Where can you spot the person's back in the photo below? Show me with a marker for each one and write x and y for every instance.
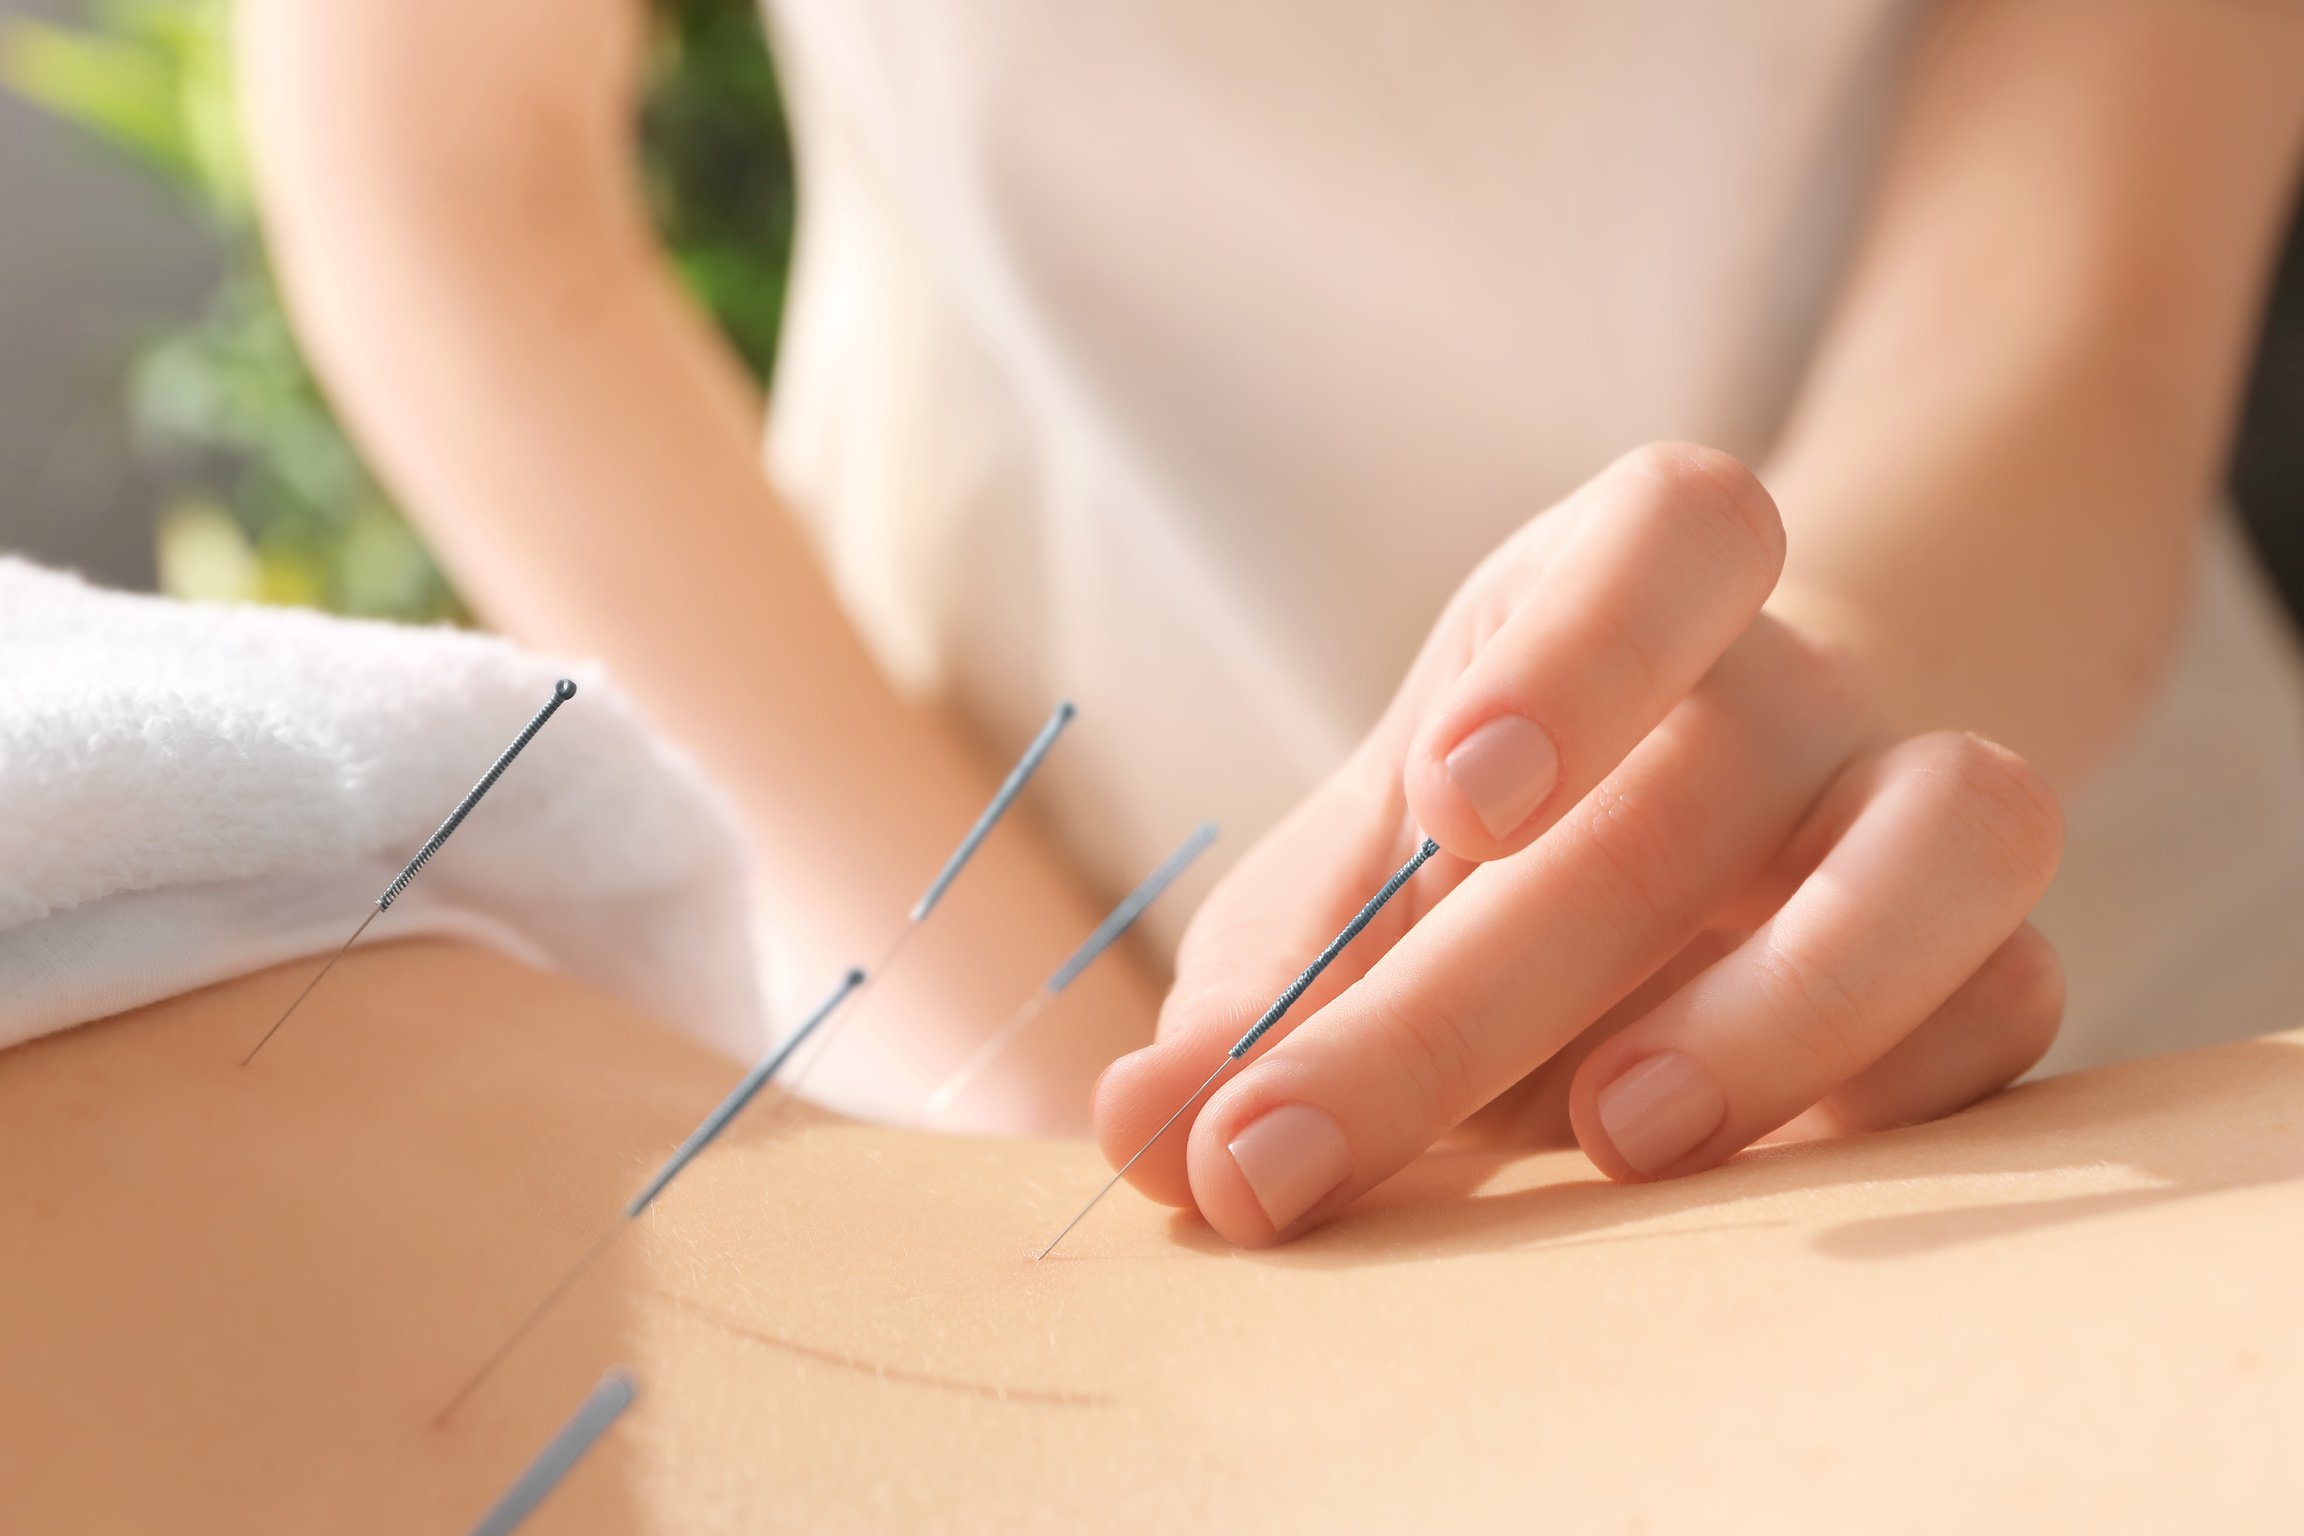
(238, 1299)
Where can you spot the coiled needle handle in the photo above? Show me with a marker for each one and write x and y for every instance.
(1272, 1016)
(562, 692)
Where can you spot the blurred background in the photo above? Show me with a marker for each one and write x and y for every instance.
(158, 428)
(157, 425)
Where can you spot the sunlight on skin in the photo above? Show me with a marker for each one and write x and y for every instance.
(265, 1283)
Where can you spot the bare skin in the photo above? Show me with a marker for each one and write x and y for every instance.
(1983, 513)
(1741, 690)
(236, 1299)
(482, 293)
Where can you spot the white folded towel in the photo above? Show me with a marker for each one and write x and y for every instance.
(189, 793)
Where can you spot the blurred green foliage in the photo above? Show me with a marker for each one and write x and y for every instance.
(269, 499)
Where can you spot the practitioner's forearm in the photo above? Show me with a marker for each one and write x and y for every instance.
(2006, 578)
(493, 323)
(454, 216)
(1993, 483)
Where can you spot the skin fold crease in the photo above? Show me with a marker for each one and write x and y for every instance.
(267, 1280)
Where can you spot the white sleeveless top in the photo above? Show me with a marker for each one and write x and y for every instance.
(1182, 358)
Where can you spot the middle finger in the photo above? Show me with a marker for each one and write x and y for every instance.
(1523, 955)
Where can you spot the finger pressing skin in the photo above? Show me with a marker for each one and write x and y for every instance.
(1953, 844)
(1287, 898)
(1989, 1033)
(1266, 919)
(1510, 967)
(1675, 549)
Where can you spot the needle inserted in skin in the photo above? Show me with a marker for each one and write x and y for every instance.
(1002, 798)
(592, 1419)
(700, 1138)
(714, 1123)
(739, 1096)
(1256, 1031)
(1107, 933)
(317, 977)
(562, 692)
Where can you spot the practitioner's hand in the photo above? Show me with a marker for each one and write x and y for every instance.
(1691, 891)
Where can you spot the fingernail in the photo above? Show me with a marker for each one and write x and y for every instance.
(1505, 769)
(1291, 1157)
(1661, 1110)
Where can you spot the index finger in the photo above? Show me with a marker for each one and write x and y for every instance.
(1673, 551)
(1668, 567)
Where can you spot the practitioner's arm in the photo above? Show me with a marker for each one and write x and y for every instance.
(1993, 483)
(450, 198)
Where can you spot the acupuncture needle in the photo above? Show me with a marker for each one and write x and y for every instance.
(1005, 796)
(1256, 1031)
(700, 1138)
(601, 1408)
(562, 692)
(1009, 789)
(1116, 923)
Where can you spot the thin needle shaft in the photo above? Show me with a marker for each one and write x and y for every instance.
(808, 1064)
(949, 1091)
(1003, 797)
(562, 692)
(566, 1283)
(854, 982)
(700, 1138)
(1205, 1084)
(1106, 934)
(1272, 1016)
(739, 1096)
(318, 977)
(599, 1411)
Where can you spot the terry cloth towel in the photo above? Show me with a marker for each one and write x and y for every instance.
(189, 793)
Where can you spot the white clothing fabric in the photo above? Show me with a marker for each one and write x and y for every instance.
(1181, 358)
(189, 793)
